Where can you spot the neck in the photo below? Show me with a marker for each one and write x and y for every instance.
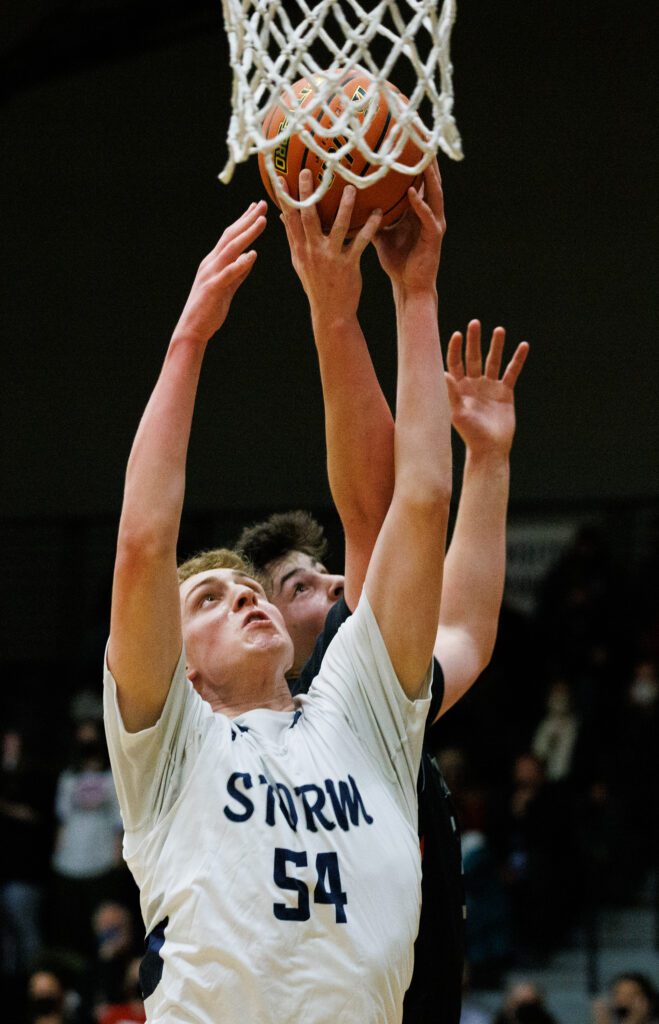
(232, 701)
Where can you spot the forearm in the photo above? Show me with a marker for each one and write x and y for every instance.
(423, 418)
(405, 576)
(359, 427)
(475, 566)
(359, 431)
(155, 477)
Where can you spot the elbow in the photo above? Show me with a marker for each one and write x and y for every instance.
(430, 495)
(137, 548)
(483, 647)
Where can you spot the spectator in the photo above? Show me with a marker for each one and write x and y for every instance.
(524, 1004)
(636, 767)
(472, 1011)
(468, 798)
(114, 932)
(488, 945)
(632, 1000)
(555, 739)
(88, 845)
(536, 833)
(46, 999)
(581, 605)
(25, 796)
(132, 1007)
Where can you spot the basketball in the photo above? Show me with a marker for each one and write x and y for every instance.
(389, 193)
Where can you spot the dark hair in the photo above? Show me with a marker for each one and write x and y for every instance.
(267, 542)
(643, 982)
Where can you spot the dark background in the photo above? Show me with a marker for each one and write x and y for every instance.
(113, 121)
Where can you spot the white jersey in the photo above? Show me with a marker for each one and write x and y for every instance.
(277, 853)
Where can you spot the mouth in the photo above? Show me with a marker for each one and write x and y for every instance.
(256, 617)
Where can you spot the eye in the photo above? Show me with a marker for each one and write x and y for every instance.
(299, 588)
(207, 598)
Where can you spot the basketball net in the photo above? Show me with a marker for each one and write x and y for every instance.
(273, 43)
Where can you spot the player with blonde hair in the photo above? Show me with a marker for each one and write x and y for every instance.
(274, 840)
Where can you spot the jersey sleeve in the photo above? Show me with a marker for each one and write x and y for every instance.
(150, 766)
(358, 680)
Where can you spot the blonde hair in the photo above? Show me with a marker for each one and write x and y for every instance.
(216, 558)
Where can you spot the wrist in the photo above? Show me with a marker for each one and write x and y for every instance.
(406, 292)
(338, 321)
(186, 351)
(491, 459)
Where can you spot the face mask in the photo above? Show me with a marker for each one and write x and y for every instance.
(109, 934)
(89, 748)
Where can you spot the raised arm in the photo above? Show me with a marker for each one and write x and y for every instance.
(145, 629)
(404, 579)
(359, 426)
(483, 413)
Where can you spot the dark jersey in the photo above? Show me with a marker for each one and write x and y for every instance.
(435, 991)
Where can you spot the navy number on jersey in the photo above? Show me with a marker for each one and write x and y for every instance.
(284, 881)
(327, 889)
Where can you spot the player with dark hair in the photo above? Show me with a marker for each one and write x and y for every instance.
(288, 551)
(274, 839)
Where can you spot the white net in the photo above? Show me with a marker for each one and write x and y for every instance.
(274, 43)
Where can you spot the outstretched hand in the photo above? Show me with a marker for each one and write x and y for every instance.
(327, 265)
(482, 405)
(219, 276)
(409, 251)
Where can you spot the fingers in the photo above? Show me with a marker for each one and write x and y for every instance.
(473, 357)
(251, 214)
(290, 218)
(366, 233)
(420, 207)
(308, 214)
(515, 365)
(341, 224)
(232, 249)
(232, 276)
(493, 361)
(454, 356)
(433, 194)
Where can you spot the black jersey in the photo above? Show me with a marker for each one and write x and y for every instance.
(435, 992)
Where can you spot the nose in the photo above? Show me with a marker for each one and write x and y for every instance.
(335, 585)
(243, 596)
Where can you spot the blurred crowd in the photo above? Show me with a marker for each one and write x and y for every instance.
(552, 761)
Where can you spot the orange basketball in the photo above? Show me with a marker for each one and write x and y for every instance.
(388, 194)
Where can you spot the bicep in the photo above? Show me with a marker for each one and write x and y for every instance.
(145, 636)
(403, 586)
(459, 658)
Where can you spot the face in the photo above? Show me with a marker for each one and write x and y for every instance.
(524, 994)
(629, 1003)
(45, 992)
(304, 592)
(528, 771)
(233, 635)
